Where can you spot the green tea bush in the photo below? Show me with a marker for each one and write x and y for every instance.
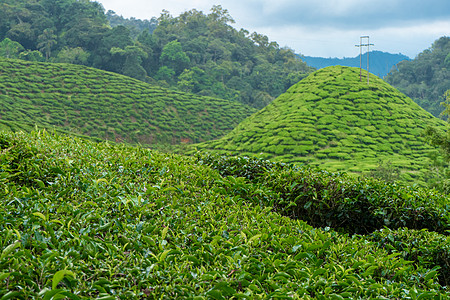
(238, 166)
(423, 247)
(354, 205)
(21, 163)
(129, 223)
(85, 87)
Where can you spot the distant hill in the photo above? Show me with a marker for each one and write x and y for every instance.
(380, 63)
(332, 120)
(109, 106)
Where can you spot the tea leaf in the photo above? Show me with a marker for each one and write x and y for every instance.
(58, 276)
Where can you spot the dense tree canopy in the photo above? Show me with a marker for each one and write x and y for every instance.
(135, 26)
(195, 52)
(426, 78)
(439, 174)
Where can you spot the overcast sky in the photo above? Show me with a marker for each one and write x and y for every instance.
(327, 28)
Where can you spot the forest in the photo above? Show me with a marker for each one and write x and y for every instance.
(194, 52)
(426, 78)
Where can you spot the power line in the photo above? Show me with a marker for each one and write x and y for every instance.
(360, 55)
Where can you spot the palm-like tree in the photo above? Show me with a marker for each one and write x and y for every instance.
(46, 41)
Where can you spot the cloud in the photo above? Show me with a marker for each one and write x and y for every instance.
(347, 14)
(320, 27)
(338, 42)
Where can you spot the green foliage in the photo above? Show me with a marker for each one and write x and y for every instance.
(386, 172)
(426, 78)
(10, 49)
(136, 26)
(72, 56)
(31, 55)
(46, 41)
(105, 105)
(423, 247)
(354, 205)
(132, 65)
(439, 171)
(333, 120)
(172, 56)
(114, 221)
(239, 166)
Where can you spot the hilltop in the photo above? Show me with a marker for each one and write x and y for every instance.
(106, 105)
(331, 119)
(380, 62)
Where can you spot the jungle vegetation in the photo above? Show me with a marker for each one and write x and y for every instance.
(426, 78)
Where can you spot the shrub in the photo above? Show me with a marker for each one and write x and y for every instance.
(428, 249)
(354, 205)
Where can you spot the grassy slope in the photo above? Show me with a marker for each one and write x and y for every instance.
(333, 120)
(108, 106)
(87, 220)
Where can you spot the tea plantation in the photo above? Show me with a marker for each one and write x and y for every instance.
(85, 220)
(333, 120)
(104, 105)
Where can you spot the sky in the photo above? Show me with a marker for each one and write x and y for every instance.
(323, 28)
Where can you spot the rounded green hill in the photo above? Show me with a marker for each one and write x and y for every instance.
(333, 120)
(106, 105)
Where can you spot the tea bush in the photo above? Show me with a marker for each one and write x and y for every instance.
(354, 205)
(117, 222)
(423, 247)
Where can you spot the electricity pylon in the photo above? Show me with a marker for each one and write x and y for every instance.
(360, 55)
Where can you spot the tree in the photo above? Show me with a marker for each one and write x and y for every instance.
(31, 55)
(426, 78)
(165, 74)
(133, 60)
(46, 41)
(72, 56)
(23, 34)
(87, 34)
(439, 173)
(221, 15)
(102, 58)
(174, 57)
(148, 44)
(194, 80)
(10, 49)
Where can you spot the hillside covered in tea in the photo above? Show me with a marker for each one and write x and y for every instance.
(84, 220)
(108, 106)
(333, 120)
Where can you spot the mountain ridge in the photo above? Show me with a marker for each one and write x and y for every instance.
(380, 63)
